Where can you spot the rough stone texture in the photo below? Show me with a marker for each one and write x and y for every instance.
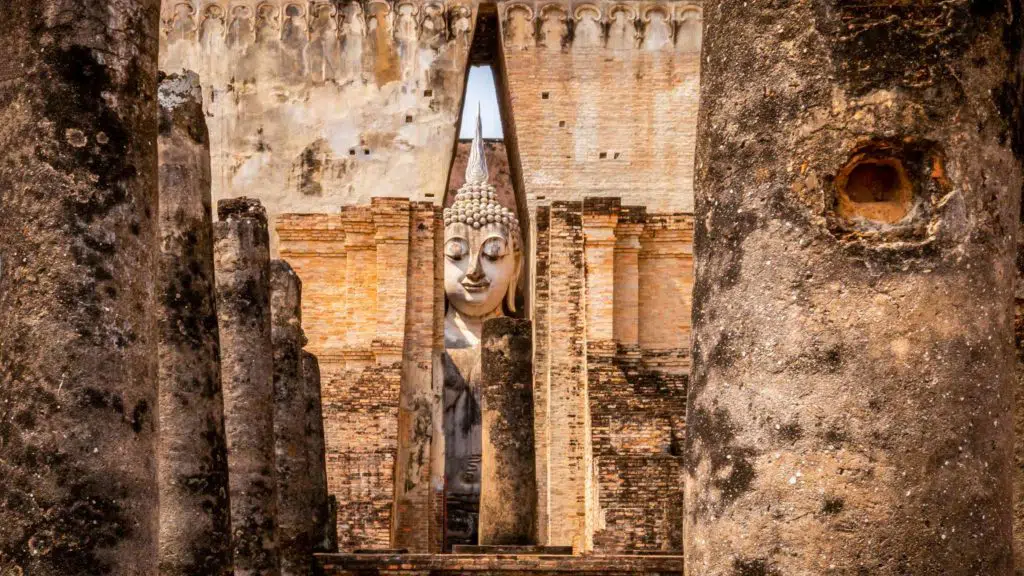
(195, 516)
(580, 76)
(850, 409)
(291, 440)
(1018, 414)
(508, 485)
(317, 456)
(78, 255)
(314, 105)
(242, 263)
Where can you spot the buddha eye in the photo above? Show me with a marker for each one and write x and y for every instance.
(494, 248)
(455, 249)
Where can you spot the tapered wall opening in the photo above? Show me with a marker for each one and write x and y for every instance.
(485, 92)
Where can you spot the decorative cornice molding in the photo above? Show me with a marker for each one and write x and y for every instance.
(617, 25)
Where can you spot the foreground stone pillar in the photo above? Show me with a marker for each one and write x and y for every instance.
(242, 252)
(508, 485)
(1018, 414)
(195, 527)
(316, 454)
(850, 408)
(78, 258)
(291, 444)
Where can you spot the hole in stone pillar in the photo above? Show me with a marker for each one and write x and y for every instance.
(408, 119)
(428, 93)
(603, 155)
(366, 151)
(544, 95)
(874, 188)
(616, 157)
(351, 151)
(561, 124)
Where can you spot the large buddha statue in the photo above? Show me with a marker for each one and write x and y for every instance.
(483, 260)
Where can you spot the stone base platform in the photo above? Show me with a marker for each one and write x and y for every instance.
(486, 564)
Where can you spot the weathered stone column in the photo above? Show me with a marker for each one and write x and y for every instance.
(291, 439)
(78, 260)
(1018, 414)
(195, 527)
(850, 407)
(242, 252)
(316, 454)
(508, 483)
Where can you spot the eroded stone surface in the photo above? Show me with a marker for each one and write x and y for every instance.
(291, 439)
(850, 408)
(242, 259)
(317, 455)
(195, 518)
(508, 484)
(78, 245)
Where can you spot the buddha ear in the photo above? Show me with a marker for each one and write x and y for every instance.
(513, 285)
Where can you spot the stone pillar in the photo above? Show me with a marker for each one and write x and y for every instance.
(291, 442)
(195, 526)
(850, 408)
(1018, 414)
(508, 486)
(78, 261)
(316, 454)
(242, 255)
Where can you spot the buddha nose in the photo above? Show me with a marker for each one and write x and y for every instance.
(476, 272)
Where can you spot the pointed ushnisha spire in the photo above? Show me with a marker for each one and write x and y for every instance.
(476, 203)
(476, 168)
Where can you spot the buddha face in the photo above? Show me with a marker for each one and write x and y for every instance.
(480, 268)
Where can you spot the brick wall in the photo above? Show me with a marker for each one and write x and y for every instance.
(578, 98)
(610, 398)
(370, 300)
(313, 105)
(611, 363)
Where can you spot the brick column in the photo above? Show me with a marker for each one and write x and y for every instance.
(666, 280)
(360, 286)
(391, 238)
(626, 326)
(567, 405)
(78, 265)
(291, 437)
(600, 218)
(508, 486)
(417, 403)
(195, 524)
(542, 366)
(242, 263)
